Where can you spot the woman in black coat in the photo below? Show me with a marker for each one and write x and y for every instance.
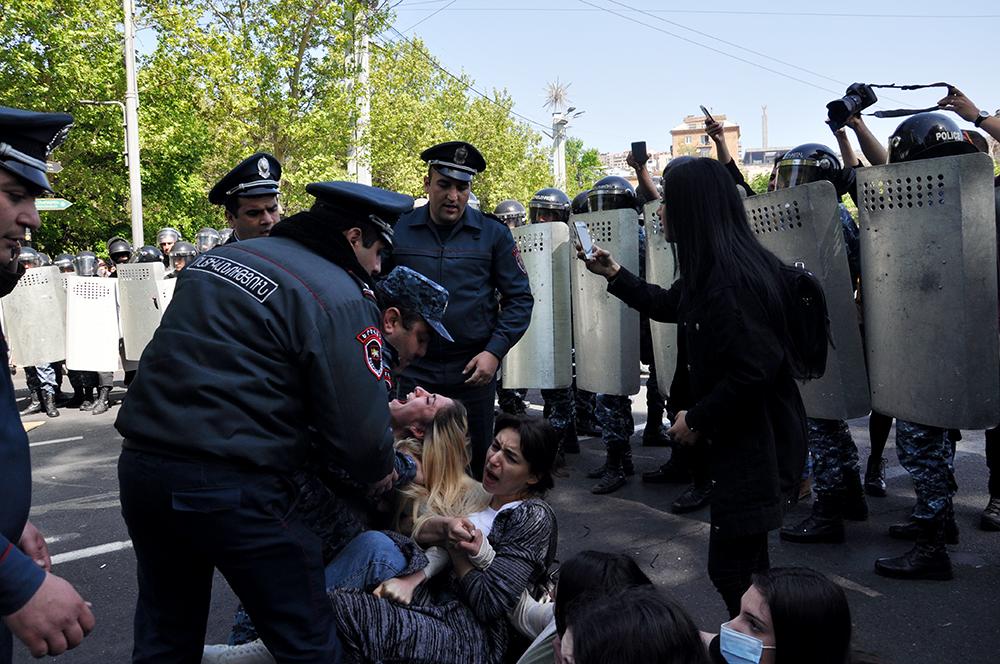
(733, 350)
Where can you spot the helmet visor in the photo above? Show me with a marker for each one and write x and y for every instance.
(541, 215)
(86, 266)
(609, 200)
(793, 172)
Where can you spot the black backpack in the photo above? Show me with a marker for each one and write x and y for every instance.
(808, 322)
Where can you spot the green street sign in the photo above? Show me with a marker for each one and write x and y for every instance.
(51, 204)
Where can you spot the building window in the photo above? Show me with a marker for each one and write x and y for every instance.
(687, 140)
(704, 140)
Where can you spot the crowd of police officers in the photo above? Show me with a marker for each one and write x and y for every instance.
(475, 257)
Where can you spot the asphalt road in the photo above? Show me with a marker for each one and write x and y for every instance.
(75, 504)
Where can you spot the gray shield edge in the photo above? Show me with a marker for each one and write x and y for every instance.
(138, 284)
(929, 284)
(165, 293)
(36, 318)
(801, 225)
(543, 358)
(660, 271)
(605, 330)
(91, 324)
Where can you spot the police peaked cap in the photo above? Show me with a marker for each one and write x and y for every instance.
(257, 175)
(457, 160)
(26, 140)
(346, 204)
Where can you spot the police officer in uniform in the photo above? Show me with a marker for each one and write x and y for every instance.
(181, 256)
(207, 239)
(474, 258)
(41, 379)
(120, 251)
(513, 214)
(249, 193)
(41, 609)
(286, 361)
(166, 238)
(586, 402)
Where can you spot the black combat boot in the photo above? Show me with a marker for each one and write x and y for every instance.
(74, 401)
(855, 505)
(990, 518)
(625, 461)
(910, 529)
(693, 499)
(34, 406)
(612, 475)
(672, 472)
(875, 477)
(653, 434)
(88, 399)
(103, 401)
(928, 559)
(49, 401)
(824, 525)
(570, 444)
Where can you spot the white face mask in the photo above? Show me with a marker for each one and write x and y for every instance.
(740, 648)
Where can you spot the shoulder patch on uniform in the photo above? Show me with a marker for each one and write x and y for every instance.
(371, 342)
(253, 283)
(517, 259)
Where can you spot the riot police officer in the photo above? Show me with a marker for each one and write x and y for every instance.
(120, 250)
(474, 258)
(511, 213)
(148, 254)
(181, 256)
(40, 379)
(249, 193)
(195, 503)
(102, 381)
(206, 239)
(166, 238)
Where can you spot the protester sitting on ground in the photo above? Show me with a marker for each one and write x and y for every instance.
(634, 626)
(788, 615)
(497, 555)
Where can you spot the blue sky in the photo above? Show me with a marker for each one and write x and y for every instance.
(635, 81)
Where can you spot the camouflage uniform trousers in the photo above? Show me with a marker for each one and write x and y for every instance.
(614, 414)
(560, 409)
(834, 454)
(511, 401)
(925, 452)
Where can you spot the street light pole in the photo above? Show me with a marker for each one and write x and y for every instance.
(559, 122)
(132, 126)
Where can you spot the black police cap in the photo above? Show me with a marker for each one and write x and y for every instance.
(26, 140)
(347, 203)
(257, 175)
(457, 160)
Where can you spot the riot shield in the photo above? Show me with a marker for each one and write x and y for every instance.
(660, 271)
(36, 322)
(605, 329)
(165, 293)
(929, 286)
(543, 358)
(801, 226)
(140, 309)
(91, 324)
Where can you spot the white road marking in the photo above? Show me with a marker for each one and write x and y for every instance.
(91, 551)
(61, 538)
(856, 587)
(54, 441)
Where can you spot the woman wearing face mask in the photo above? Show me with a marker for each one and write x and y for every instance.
(789, 615)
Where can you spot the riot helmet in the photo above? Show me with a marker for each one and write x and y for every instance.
(510, 212)
(44, 260)
(86, 264)
(65, 263)
(810, 162)
(225, 234)
(207, 239)
(119, 250)
(148, 254)
(926, 136)
(612, 193)
(549, 204)
(579, 204)
(29, 258)
(182, 255)
(473, 201)
(166, 238)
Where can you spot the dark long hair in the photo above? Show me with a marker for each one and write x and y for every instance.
(810, 615)
(635, 625)
(709, 225)
(539, 445)
(594, 573)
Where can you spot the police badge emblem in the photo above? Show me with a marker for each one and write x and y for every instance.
(264, 168)
(461, 154)
(371, 341)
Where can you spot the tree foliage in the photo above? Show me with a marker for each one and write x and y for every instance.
(583, 166)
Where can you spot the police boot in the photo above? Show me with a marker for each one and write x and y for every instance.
(693, 499)
(74, 401)
(910, 530)
(875, 477)
(103, 401)
(612, 476)
(990, 518)
(653, 434)
(928, 559)
(855, 505)
(34, 406)
(49, 401)
(88, 399)
(824, 525)
(627, 466)
(570, 444)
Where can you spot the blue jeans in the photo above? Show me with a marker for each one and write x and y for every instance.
(366, 561)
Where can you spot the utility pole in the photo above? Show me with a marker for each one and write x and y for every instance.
(132, 126)
(559, 122)
(359, 153)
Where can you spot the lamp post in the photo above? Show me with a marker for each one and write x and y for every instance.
(560, 120)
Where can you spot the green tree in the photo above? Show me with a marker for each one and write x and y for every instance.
(583, 166)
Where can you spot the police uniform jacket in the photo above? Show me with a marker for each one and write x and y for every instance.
(20, 577)
(266, 348)
(740, 396)
(476, 259)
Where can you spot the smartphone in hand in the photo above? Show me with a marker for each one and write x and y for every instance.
(639, 152)
(708, 116)
(583, 235)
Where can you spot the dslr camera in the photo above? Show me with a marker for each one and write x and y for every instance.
(858, 97)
